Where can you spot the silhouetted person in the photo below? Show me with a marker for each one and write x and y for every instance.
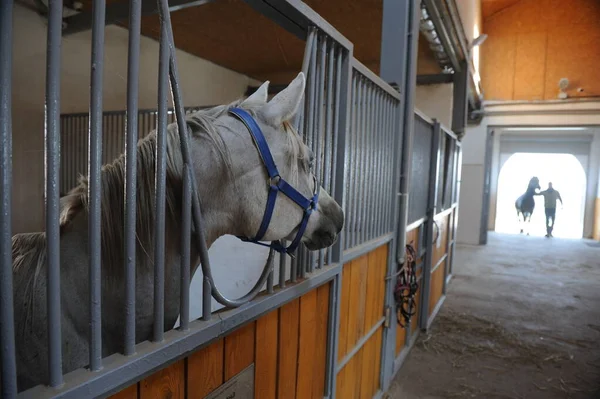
(550, 197)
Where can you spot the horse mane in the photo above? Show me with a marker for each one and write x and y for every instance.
(200, 124)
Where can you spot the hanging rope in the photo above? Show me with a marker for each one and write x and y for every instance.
(406, 288)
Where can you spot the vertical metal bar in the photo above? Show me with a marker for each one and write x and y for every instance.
(131, 119)
(355, 183)
(341, 147)
(336, 132)
(370, 187)
(329, 133)
(270, 282)
(186, 235)
(363, 168)
(295, 262)
(321, 131)
(52, 138)
(282, 272)
(7, 327)
(377, 150)
(310, 43)
(335, 295)
(352, 162)
(383, 161)
(206, 299)
(390, 149)
(160, 178)
(95, 184)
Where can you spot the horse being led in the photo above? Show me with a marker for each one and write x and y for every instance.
(232, 191)
(526, 203)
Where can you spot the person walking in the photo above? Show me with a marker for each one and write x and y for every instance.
(550, 197)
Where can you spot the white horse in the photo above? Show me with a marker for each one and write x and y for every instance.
(232, 189)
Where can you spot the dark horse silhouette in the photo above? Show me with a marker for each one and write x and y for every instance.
(525, 203)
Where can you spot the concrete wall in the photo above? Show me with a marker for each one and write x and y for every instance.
(203, 83)
(499, 115)
(435, 101)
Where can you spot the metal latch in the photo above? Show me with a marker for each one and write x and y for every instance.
(388, 315)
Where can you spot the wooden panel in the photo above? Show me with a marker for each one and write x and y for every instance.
(239, 350)
(531, 58)
(439, 246)
(265, 378)
(130, 392)
(205, 370)
(320, 350)
(378, 337)
(167, 383)
(574, 53)
(307, 342)
(354, 299)
(414, 320)
(288, 349)
(437, 285)
(534, 43)
(498, 66)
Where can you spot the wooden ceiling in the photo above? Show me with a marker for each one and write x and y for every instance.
(231, 34)
(491, 7)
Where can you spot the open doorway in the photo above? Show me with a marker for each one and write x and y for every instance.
(567, 176)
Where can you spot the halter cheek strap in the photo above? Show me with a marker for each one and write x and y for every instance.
(276, 184)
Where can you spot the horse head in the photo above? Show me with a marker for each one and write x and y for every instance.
(278, 199)
(534, 183)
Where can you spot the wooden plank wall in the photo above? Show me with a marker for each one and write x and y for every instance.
(532, 44)
(287, 346)
(362, 307)
(412, 237)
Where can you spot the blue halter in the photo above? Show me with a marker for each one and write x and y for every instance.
(276, 184)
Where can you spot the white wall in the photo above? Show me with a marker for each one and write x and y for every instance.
(203, 83)
(435, 101)
(499, 115)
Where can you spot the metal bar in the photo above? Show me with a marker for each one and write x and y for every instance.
(52, 138)
(332, 335)
(356, 182)
(345, 84)
(206, 299)
(372, 132)
(329, 132)
(321, 131)
(282, 272)
(460, 99)
(186, 236)
(310, 43)
(352, 162)
(363, 166)
(120, 371)
(161, 184)
(381, 162)
(131, 118)
(95, 184)
(335, 132)
(7, 327)
(270, 283)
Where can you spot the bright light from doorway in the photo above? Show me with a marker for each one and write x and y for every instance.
(567, 176)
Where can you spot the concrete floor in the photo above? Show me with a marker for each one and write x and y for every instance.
(521, 320)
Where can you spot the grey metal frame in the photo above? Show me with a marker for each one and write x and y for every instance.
(359, 126)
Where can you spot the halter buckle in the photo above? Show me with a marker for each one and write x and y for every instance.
(275, 179)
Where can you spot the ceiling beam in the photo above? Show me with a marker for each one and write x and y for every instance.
(435, 79)
(120, 12)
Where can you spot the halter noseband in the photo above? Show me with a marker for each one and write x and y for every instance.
(276, 184)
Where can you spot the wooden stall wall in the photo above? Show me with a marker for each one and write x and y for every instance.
(287, 347)
(532, 44)
(362, 311)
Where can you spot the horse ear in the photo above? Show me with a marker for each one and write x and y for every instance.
(285, 104)
(259, 97)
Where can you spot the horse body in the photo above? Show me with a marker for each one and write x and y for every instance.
(232, 192)
(525, 204)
